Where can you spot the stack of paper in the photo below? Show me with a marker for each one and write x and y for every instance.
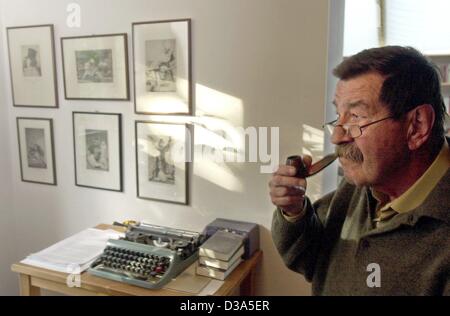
(74, 254)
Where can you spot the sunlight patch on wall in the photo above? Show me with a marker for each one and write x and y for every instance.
(213, 103)
(218, 136)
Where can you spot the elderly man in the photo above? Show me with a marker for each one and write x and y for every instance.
(386, 229)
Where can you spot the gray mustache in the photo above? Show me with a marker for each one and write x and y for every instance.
(350, 152)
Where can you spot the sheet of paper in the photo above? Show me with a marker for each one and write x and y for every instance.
(78, 250)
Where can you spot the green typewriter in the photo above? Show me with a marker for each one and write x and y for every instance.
(149, 256)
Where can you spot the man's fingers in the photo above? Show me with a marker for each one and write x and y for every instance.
(287, 191)
(284, 170)
(288, 200)
(278, 180)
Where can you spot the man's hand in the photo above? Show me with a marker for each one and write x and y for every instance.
(287, 191)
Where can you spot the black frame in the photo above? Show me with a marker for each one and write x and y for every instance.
(127, 73)
(189, 57)
(119, 116)
(52, 143)
(187, 169)
(55, 80)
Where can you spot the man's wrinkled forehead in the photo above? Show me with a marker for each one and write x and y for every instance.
(362, 91)
(357, 104)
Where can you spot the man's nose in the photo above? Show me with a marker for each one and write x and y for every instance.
(340, 135)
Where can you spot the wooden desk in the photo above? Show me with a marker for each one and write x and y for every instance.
(32, 279)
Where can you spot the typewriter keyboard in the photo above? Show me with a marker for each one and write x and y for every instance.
(139, 264)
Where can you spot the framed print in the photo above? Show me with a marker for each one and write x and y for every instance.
(162, 67)
(98, 150)
(95, 67)
(36, 150)
(32, 66)
(162, 161)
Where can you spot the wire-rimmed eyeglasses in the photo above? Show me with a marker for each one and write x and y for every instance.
(353, 130)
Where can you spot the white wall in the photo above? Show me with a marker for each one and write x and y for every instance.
(8, 281)
(255, 63)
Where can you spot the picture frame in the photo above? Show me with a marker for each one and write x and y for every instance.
(32, 66)
(36, 150)
(95, 67)
(162, 161)
(97, 139)
(162, 67)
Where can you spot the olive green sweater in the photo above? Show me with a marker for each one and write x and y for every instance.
(335, 242)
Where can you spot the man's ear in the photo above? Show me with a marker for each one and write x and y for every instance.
(421, 121)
